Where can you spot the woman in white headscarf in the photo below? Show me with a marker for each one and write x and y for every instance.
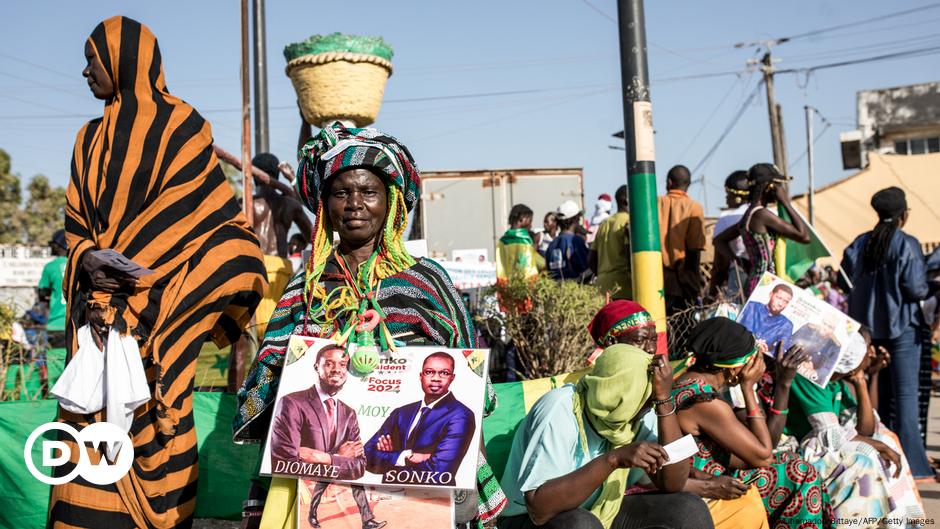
(858, 458)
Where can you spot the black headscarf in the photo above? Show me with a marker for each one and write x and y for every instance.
(720, 342)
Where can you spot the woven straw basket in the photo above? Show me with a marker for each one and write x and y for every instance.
(339, 86)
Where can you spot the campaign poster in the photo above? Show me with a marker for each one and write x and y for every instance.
(778, 311)
(415, 421)
(344, 506)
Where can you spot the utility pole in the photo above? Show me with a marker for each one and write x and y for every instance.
(246, 122)
(261, 77)
(782, 138)
(236, 360)
(773, 111)
(809, 161)
(641, 166)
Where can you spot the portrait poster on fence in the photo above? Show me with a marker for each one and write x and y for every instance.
(414, 421)
(778, 311)
(345, 506)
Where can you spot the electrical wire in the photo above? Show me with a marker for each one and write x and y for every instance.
(710, 116)
(36, 65)
(897, 55)
(862, 22)
(729, 127)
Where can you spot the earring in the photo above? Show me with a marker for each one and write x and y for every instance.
(734, 379)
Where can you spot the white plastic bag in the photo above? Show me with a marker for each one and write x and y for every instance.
(95, 379)
(80, 388)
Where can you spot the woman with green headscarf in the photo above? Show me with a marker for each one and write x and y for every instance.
(725, 355)
(580, 446)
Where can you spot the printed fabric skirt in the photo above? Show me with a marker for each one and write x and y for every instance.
(792, 492)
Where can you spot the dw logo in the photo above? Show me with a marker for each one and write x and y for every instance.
(103, 437)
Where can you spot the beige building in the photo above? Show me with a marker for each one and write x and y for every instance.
(843, 210)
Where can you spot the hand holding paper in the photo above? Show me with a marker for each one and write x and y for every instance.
(680, 449)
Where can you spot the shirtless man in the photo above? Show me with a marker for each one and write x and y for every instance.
(274, 212)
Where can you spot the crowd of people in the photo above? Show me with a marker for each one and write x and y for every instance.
(817, 455)
(146, 182)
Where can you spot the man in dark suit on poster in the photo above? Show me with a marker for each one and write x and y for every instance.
(315, 431)
(425, 441)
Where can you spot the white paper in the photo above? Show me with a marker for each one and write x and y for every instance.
(119, 262)
(680, 449)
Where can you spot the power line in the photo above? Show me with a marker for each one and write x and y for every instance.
(44, 85)
(450, 97)
(39, 66)
(886, 46)
(862, 22)
(897, 55)
(599, 11)
(652, 44)
(709, 118)
(729, 127)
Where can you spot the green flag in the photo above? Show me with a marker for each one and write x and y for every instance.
(798, 258)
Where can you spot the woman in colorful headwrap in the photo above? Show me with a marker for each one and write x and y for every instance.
(760, 227)
(732, 504)
(726, 355)
(361, 184)
(146, 183)
(572, 456)
(840, 435)
(886, 281)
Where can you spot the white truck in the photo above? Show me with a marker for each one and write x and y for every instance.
(467, 210)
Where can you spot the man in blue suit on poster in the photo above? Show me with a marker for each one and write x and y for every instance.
(423, 443)
(767, 322)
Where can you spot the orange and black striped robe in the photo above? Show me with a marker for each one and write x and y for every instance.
(146, 183)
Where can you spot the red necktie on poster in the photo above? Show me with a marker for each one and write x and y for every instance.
(331, 419)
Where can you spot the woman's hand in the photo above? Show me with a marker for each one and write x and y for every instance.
(103, 277)
(645, 455)
(787, 363)
(886, 452)
(723, 488)
(781, 192)
(880, 358)
(661, 373)
(99, 329)
(753, 370)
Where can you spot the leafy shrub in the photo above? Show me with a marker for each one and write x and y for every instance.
(546, 321)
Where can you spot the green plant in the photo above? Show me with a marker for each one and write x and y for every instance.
(16, 365)
(546, 321)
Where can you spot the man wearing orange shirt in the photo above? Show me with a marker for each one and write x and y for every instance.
(682, 235)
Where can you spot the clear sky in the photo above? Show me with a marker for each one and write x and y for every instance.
(562, 53)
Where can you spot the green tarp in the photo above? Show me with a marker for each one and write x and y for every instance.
(224, 468)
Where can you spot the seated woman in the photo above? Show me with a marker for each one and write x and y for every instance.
(842, 437)
(361, 184)
(572, 456)
(732, 504)
(726, 355)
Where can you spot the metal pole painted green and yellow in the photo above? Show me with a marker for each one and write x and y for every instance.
(641, 165)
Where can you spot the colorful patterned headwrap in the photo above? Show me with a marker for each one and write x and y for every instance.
(722, 343)
(338, 148)
(616, 319)
(334, 150)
